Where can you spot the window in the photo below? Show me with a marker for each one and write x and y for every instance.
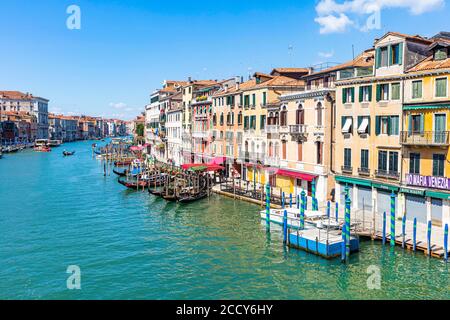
(417, 89)
(363, 124)
(382, 160)
(246, 123)
(438, 165)
(388, 125)
(246, 100)
(254, 99)
(395, 91)
(347, 157)
(383, 92)
(364, 159)
(347, 124)
(348, 95)
(319, 114)
(383, 57)
(395, 54)
(365, 93)
(264, 98)
(319, 147)
(262, 123)
(415, 123)
(300, 115)
(283, 117)
(441, 87)
(283, 144)
(440, 54)
(393, 161)
(252, 122)
(414, 163)
(240, 118)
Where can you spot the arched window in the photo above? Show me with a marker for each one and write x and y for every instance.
(277, 118)
(221, 119)
(300, 115)
(283, 116)
(263, 147)
(240, 118)
(319, 113)
(270, 149)
(253, 147)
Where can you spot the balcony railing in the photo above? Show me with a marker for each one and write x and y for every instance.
(297, 129)
(389, 174)
(272, 161)
(347, 169)
(272, 128)
(364, 171)
(253, 157)
(425, 138)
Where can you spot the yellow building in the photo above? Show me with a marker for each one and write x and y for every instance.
(425, 136)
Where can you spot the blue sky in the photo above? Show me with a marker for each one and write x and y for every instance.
(125, 49)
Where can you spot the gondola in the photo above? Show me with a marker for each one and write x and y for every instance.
(67, 153)
(191, 198)
(122, 163)
(155, 191)
(133, 184)
(120, 173)
(169, 197)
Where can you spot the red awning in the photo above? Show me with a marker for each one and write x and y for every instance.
(295, 174)
(218, 160)
(191, 165)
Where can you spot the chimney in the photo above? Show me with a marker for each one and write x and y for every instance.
(226, 87)
(238, 82)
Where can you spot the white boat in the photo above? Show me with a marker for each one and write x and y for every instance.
(41, 142)
(54, 143)
(293, 216)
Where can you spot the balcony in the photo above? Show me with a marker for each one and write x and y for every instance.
(387, 174)
(426, 138)
(272, 128)
(347, 169)
(200, 134)
(202, 116)
(364, 171)
(252, 157)
(272, 161)
(298, 132)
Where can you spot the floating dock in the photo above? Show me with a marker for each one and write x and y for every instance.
(327, 244)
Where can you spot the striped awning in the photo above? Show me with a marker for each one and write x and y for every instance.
(425, 106)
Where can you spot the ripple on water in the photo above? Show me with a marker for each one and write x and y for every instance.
(60, 211)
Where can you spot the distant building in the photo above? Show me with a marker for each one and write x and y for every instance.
(18, 101)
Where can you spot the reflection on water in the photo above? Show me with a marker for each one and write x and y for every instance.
(60, 211)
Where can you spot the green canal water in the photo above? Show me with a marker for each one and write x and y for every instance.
(57, 212)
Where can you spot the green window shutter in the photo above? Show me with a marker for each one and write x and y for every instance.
(368, 126)
(389, 50)
(400, 53)
(360, 93)
(344, 95)
(370, 93)
(359, 121)
(342, 121)
(421, 123)
(264, 98)
(377, 58)
(378, 92)
(389, 126)
(377, 125)
(352, 90)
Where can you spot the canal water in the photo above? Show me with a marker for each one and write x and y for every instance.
(58, 211)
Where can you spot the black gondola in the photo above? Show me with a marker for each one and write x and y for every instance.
(120, 173)
(191, 198)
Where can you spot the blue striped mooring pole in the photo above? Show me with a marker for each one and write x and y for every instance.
(313, 198)
(298, 201)
(446, 242)
(429, 237)
(403, 230)
(290, 200)
(384, 229)
(282, 199)
(285, 227)
(328, 208)
(347, 228)
(414, 234)
(268, 204)
(302, 211)
(392, 219)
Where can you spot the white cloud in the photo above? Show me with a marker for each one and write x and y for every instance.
(333, 24)
(326, 55)
(334, 16)
(118, 105)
